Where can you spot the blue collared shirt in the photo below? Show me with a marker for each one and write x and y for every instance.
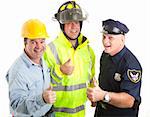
(27, 81)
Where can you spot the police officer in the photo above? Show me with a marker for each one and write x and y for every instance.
(118, 93)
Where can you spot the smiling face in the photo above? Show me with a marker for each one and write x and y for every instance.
(113, 43)
(72, 29)
(34, 49)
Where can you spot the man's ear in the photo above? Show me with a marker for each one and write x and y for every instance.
(25, 41)
(123, 38)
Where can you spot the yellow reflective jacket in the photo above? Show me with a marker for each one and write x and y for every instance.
(70, 89)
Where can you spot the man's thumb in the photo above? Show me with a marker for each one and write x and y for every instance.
(95, 83)
(68, 61)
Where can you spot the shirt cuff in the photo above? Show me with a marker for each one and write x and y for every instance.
(40, 100)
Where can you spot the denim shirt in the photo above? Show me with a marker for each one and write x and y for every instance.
(27, 81)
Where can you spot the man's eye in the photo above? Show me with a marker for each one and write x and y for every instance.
(32, 42)
(42, 42)
(110, 38)
(104, 36)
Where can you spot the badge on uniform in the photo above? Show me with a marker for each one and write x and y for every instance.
(134, 75)
(117, 77)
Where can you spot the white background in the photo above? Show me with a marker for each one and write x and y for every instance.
(134, 13)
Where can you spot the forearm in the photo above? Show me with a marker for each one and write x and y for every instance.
(121, 100)
(27, 104)
(56, 73)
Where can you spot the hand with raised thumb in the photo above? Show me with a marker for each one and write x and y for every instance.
(93, 84)
(49, 96)
(67, 68)
(95, 93)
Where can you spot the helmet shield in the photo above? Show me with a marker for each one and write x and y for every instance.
(70, 15)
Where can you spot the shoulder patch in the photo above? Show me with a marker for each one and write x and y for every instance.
(134, 75)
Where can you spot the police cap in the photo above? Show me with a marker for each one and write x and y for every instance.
(111, 26)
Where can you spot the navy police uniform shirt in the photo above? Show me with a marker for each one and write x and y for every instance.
(120, 73)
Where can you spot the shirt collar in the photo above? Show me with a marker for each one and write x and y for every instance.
(116, 58)
(28, 61)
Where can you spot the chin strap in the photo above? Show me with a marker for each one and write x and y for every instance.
(71, 38)
(62, 28)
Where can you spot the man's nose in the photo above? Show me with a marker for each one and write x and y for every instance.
(38, 45)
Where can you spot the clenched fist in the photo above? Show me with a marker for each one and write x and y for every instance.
(95, 93)
(67, 68)
(49, 96)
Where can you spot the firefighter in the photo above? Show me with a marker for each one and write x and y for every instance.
(72, 62)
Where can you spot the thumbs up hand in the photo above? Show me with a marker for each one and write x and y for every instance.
(49, 96)
(67, 68)
(92, 84)
(95, 93)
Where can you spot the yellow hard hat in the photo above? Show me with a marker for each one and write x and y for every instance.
(34, 29)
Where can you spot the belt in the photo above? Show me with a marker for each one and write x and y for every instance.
(102, 105)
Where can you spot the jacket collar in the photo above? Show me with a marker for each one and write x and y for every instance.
(65, 41)
(28, 61)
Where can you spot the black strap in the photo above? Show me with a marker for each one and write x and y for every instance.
(84, 39)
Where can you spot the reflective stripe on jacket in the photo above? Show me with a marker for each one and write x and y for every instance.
(70, 89)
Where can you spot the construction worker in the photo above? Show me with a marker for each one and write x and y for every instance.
(30, 92)
(72, 61)
(118, 93)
